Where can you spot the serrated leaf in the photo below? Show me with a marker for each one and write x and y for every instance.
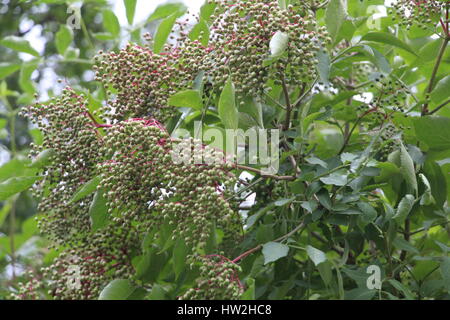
(249, 293)
(19, 44)
(434, 131)
(427, 198)
(336, 179)
(387, 38)
(227, 106)
(314, 160)
(187, 98)
(88, 188)
(401, 287)
(111, 23)
(402, 244)
(163, 32)
(7, 69)
(130, 9)
(273, 251)
(180, 252)
(16, 185)
(282, 202)
(441, 90)
(200, 32)
(25, 82)
(404, 208)
(407, 169)
(98, 210)
(324, 66)
(63, 38)
(121, 289)
(278, 44)
(317, 256)
(369, 212)
(335, 16)
(165, 10)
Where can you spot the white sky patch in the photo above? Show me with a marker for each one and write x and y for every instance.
(145, 7)
(365, 97)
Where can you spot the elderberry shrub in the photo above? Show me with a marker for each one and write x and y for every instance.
(125, 146)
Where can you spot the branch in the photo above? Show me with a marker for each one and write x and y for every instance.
(287, 178)
(287, 121)
(434, 73)
(258, 247)
(439, 107)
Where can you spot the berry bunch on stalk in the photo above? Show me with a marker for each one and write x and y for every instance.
(125, 147)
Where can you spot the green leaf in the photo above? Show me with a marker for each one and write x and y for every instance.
(180, 252)
(227, 106)
(63, 38)
(427, 198)
(314, 160)
(111, 23)
(387, 38)
(14, 168)
(4, 212)
(16, 185)
(273, 251)
(42, 159)
(336, 179)
(401, 287)
(404, 208)
(165, 10)
(317, 256)
(324, 198)
(249, 294)
(130, 8)
(157, 293)
(19, 44)
(324, 66)
(200, 32)
(359, 294)
(441, 90)
(434, 131)
(25, 82)
(407, 170)
(369, 212)
(163, 32)
(402, 244)
(187, 98)
(278, 44)
(283, 202)
(445, 272)
(335, 16)
(88, 188)
(121, 289)
(98, 211)
(377, 58)
(7, 69)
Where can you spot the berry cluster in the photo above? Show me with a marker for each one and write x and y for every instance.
(417, 12)
(70, 133)
(240, 45)
(139, 82)
(143, 188)
(218, 280)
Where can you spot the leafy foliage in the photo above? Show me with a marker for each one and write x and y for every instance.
(101, 211)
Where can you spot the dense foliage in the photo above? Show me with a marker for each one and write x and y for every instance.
(363, 184)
